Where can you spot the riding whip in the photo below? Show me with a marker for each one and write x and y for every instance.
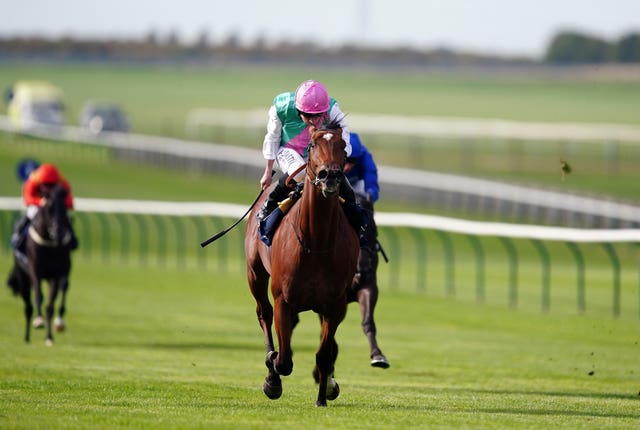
(381, 249)
(225, 231)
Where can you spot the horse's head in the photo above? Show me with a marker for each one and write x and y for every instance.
(326, 158)
(55, 216)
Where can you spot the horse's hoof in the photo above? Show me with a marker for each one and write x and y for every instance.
(59, 324)
(380, 361)
(272, 390)
(333, 389)
(38, 322)
(48, 342)
(272, 386)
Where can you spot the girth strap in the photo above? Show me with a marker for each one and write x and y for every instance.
(46, 242)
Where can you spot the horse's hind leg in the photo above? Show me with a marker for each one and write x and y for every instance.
(272, 386)
(28, 311)
(258, 280)
(258, 284)
(367, 298)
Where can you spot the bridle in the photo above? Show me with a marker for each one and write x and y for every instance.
(317, 178)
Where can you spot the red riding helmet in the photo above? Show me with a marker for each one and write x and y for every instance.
(48, 174)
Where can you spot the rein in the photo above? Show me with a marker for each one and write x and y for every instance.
(293, 175)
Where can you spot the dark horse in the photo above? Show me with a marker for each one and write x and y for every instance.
(48, 257)
(364, 288)
(312, 262)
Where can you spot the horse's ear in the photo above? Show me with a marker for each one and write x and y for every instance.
(312, 129)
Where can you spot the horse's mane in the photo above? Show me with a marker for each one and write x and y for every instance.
(58, 196)
(332, 125)
(58, 192)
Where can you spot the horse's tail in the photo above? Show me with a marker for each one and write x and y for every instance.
(16, 279)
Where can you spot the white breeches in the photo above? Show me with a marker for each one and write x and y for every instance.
(289, 161)
(32, 210)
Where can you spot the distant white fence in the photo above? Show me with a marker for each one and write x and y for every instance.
(431, 126)
(391, 219)
(168, 233)
(535, 204)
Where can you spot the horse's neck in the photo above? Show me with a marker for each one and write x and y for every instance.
(317, 213)
(45, 218)
(39, 223)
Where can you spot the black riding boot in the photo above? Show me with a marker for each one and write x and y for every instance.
(20, 233)
(279, 193)
(346, 192)
(358, 217)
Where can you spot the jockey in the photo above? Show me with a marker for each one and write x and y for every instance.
(361, 170)
(35, 191)
(362, 173)
(287, 137)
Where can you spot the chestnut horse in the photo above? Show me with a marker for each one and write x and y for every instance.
(48, 257)
(311, 263)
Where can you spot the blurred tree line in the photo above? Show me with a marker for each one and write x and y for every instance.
(564, 48)
(577, 48)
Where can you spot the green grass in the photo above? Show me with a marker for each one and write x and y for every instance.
(181, 349)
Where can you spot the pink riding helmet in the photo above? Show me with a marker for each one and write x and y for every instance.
(312, 97)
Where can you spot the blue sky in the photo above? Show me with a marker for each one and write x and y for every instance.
(505, 27)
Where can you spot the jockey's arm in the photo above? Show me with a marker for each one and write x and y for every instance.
(69, 200)
(31, 193)
(270, 146)
(272, 139)
(370, 175)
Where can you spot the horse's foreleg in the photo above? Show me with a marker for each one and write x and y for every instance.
(325, 360)
(50, 309)
(327, 354)
(285, 319)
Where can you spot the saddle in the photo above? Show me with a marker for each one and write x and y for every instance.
(268, 226)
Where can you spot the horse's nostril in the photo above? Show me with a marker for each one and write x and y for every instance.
(323, 174)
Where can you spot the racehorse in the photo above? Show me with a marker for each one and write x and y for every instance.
(311, 263)
(48, 257)
(364, 288)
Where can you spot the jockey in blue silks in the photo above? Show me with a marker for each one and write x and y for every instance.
(361, 170)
